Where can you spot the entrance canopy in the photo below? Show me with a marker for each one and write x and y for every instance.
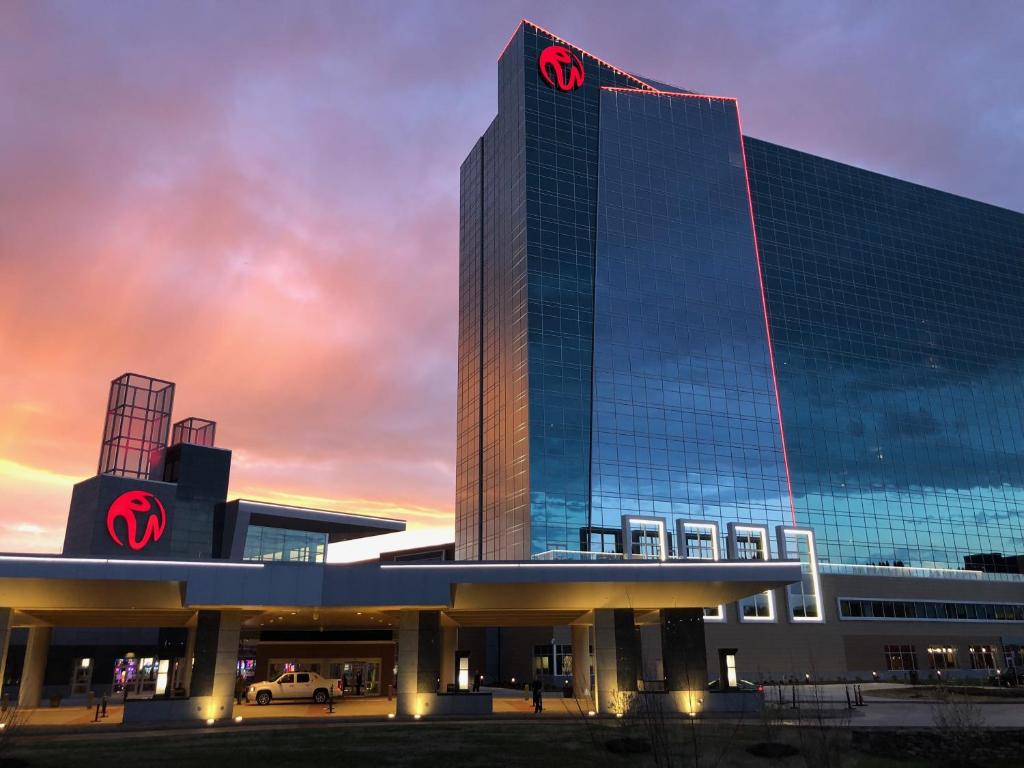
(64, 591)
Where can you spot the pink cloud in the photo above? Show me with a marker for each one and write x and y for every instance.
(263, 206)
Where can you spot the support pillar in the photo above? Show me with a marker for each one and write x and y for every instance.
(189, 661)
(419, 661)
(449, 644)
(581, 662)
(684, 655)
(216, 665)
(33, 672)
(5, 642)
(617, 658)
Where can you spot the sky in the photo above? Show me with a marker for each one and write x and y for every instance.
(259, 202)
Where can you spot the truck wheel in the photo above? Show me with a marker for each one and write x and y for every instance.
(263, 697)
(320, 696)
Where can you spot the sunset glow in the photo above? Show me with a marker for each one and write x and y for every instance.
(263, 208)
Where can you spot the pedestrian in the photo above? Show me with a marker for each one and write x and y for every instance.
(477, 677)
(538, 695)
(240, 686)
(359, 683)
(344, 683)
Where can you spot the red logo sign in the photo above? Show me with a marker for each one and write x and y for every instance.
(128, 506)
(552, 62)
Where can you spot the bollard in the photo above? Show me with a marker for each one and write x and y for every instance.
(97, 718)
(849, 704)
(103, 706)
(794, 696)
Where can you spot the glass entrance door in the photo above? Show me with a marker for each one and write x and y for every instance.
(361, 677)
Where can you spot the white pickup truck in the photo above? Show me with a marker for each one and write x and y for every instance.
(290, 685)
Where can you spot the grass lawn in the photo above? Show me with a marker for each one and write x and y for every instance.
(497, 743)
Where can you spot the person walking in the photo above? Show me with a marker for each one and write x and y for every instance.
(359, 683)
(477, 677)
(538, 695)
(240, 686)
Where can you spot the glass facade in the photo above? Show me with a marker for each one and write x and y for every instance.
(613, 355)
(897, 314)
(684, 414)
(281, 545)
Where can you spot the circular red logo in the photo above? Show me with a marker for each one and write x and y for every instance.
(560, 68)
(128, 507)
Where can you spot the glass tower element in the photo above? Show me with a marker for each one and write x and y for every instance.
(613, 354)
(137, 424)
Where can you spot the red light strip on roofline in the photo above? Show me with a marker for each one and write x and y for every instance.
(655, 92)
(552, 35)
(764, 306)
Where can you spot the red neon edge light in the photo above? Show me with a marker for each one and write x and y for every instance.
(563, 41)
(764, 306)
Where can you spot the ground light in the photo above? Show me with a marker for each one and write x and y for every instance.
(416, 717)
(209, 721)
(238, 719)
(391, 715)
(591, 713)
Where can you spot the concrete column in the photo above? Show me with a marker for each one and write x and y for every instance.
(190, 652)
(5, 642)
(581, 661)
(216, 666)
(419, 661)
(33, 673)
(684, 655)
(617, 657)
(449, 644)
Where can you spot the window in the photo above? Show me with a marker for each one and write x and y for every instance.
(757, 607)
(982, 657)
(749, 544)
(647, 538)
(302, 677)
(804, 597)
(542, 660)
(921, 610)
(605, 541)
(699, 541)
(1014, 655)
(279, 544)
(286, 678)
(900, 658)
(940, 658)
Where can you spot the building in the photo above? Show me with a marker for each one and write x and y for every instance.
(614, 357)
(727, 413)
(166, 591)
(667, 326)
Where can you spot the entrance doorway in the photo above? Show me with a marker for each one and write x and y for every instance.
(359, 677)
(134, 677)
(362, 677)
